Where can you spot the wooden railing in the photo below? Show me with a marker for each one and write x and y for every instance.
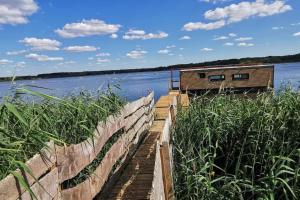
(56, 164)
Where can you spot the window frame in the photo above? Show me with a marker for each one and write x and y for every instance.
(201, 77)
(217, 80)
(241, 77)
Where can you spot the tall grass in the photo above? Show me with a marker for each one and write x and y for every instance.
(26, 126)
(238, 148)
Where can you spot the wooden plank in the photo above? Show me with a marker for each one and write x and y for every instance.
(150, 106)
(74, 158)
(101, 174)
(136, 180)
(166, 171)
(162, 113)
(132, 119)
(157, 126)
(46, 189)
(166, 101)
(174, 92)
(80, 192)
(157, 191)
(184, 100)
(106, 189)
(149, 98)
(130, 108)
(165, 136)
(38, 164)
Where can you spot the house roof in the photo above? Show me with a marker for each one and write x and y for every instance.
(226, 67)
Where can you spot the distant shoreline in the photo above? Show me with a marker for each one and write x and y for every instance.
(253, 60)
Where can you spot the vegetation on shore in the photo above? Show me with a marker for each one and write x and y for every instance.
(238, 148)
(26, 126)
(253, 60)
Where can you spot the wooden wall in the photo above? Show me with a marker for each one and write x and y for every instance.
(259, 77)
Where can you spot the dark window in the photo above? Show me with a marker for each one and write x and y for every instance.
(201, 75)
(240, 76)
(220, 77)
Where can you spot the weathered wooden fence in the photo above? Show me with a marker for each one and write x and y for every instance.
(56, 164)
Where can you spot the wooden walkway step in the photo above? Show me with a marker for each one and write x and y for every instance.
(136, 180)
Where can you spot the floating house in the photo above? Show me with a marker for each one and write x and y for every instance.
(254, 78)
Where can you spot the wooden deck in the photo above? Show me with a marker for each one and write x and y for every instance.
(137, 179)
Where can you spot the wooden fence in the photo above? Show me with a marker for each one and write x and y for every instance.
(56, 164)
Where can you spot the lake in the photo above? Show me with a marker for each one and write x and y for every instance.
(134, 85)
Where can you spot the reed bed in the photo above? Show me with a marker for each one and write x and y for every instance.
(26, 126)
(228, 147)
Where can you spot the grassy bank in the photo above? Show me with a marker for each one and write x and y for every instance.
(26, 126)
(238, 148)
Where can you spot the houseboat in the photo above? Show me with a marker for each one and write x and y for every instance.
(237, 79)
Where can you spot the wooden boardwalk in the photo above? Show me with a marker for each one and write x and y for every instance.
(136, 181)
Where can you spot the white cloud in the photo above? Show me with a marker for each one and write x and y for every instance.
(43, 58)
(181, 49)
(67, 63)
(102, 54)
(214, 1)
(245, 10)
(133, 34)
(5, 61)
(15, 53)
(16, 11)
(20, 64)
(87, 28)
(100, 60)
(206, 49)
(170, 46)
(228, 44)
(78, 49)
(295, 24)
(164, 51)
(136, 54)
(297, 34)
(221, 38)
(277, 27)
(244, 44)
(238, 12)
(114, 36)
(243, 39)
(41, 44)
(185, 38)
(70, 62)
(192, 26)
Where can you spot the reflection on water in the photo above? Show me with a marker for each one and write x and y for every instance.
(135, 85)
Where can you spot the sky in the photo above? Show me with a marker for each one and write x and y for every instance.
(44, 36)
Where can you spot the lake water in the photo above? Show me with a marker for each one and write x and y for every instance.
(135, 85)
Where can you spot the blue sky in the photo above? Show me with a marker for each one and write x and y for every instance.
(74, 35)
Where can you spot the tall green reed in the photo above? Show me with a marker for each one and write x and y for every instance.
(26, 126)
(228, 147)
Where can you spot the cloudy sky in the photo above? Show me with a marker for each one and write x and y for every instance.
(41, 36)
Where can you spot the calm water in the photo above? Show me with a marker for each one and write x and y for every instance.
(135, 85)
